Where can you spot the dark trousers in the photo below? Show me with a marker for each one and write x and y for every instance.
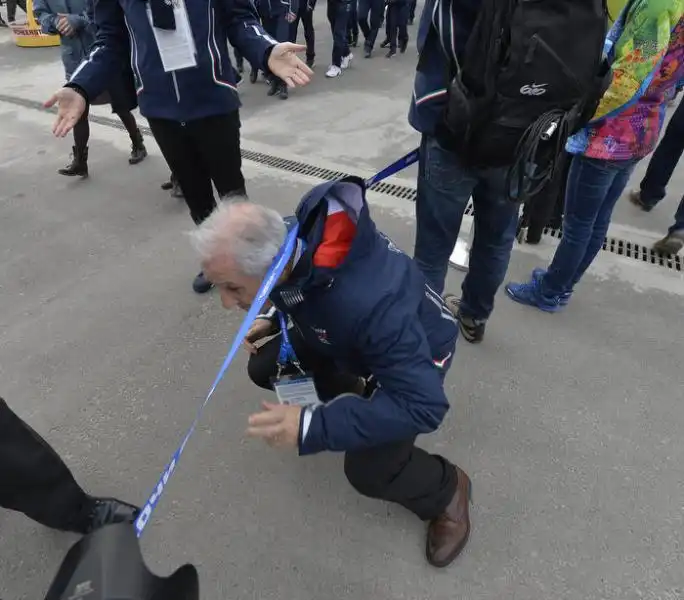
(397, 23)
(352, 21)
(371, 13)
(12, 8)
(305, 15)
(278, 28)
(199, 152)
(33, 478)
(338, 16)
(664, 160)
(398, 472)
(412, 10)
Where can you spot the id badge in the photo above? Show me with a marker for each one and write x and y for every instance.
(296, 390)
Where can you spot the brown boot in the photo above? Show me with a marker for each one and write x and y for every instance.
(448, 534)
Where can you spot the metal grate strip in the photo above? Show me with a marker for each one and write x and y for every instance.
(613, 245)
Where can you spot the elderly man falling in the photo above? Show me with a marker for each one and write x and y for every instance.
(361, 368)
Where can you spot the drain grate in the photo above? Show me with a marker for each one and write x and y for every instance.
(613, 245)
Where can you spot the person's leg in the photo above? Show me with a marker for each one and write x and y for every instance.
(11, 10)
(337, 43)
(402, 25)
(623, 171)
(309, 31)
(186, 162)
(362, 18)
(35, 481)
(412, 11)
(392, 27)
(663, 163)
(673, 242)
(344, 9)
(78, 167)
(138, 150)
(377, 13)
(495, 221)
(444, 188)
(217, 140)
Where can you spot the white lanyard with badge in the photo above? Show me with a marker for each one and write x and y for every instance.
(176, 46)
(296, 389)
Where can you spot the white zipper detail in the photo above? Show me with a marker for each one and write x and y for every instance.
(175, 85)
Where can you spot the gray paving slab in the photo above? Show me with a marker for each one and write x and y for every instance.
(570, 424)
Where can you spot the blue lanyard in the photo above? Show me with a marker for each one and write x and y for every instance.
(267, 285)
(286, 354)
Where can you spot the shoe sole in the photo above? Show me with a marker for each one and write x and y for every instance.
(548, 309)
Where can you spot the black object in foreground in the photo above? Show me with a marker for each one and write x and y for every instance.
(108, 565)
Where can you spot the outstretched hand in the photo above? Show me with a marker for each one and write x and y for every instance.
(70, 107)
(285, 64)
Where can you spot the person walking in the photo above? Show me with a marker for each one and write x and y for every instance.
(646, 49)
(73, 21)
(186, 88)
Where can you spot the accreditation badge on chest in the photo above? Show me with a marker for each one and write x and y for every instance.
(176, 47)
(292, 390)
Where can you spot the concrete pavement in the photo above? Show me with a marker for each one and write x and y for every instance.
(569, 424)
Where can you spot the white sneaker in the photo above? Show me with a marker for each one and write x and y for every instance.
(346, 61)
(333, 71)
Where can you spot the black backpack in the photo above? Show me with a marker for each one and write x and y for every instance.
(532, 73)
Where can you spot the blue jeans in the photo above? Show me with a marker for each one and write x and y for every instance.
(593, 188)
(375, 9)
(444, 188)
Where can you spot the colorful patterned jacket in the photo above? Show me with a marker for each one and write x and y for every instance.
(646, 49)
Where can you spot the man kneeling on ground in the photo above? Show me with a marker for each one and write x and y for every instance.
(364, 358)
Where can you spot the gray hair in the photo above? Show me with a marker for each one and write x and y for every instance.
(248, 233)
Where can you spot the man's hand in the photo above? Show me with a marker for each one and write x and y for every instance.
(278, 425)
(284, 63)
(63, 26)
(260, 329)
(70, 107)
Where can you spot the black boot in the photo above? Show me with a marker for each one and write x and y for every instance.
(253, 75)
(274, 86)
(403, 44)
(283, 93)
(138, 150)
(78, 167)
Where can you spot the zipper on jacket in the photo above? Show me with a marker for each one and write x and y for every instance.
(175, 85)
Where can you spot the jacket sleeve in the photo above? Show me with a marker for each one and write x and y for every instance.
(637, 54)
(408, 401)
(44, 15)
(109, 51)
(246, 33)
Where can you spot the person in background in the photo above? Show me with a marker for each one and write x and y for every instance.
(305, 15)
(353, 24)
(12, 9)
(397, 21)
(375, 10)
(338, 17)
(276, 18)
(172, 186)
(653, 186)
(35, 481)
(413, 4)
(73, 21)
(445, 184)
(192, 103)
(646, 49)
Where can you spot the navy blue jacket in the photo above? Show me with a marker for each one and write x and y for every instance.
(374, 314)
(452, 21)
(205, 90)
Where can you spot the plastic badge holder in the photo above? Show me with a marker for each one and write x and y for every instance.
(108, 565)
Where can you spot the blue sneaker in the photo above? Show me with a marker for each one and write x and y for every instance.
(529, 294)
(563, 299)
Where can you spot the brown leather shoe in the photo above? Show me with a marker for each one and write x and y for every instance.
(448, 534)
